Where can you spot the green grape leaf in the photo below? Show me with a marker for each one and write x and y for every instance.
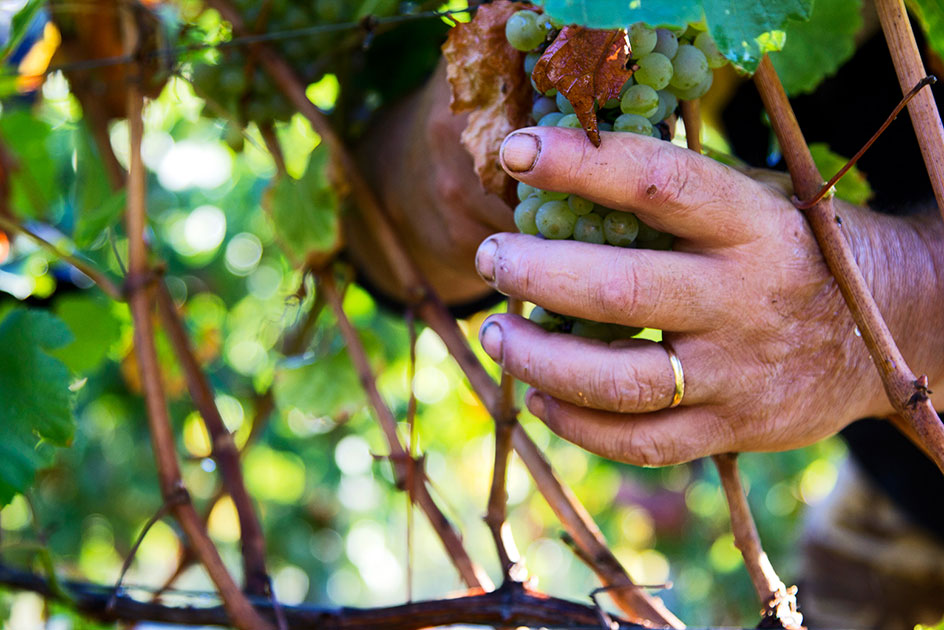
(37, 404)
(853, 187)
(33, 176)
(619, 13)
(930, 14)
(743, 31)
(817, 48)
(304, 211)
(100, 330)
(323, 386)
(19, 26)
(98, 207)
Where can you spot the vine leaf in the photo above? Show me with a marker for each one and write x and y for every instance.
(33, 173)
(304, 211)
(930, 14)
(487, 79)
(853, 187)
(37, 404)
(588, 66)
(817, 48)
(744, 31)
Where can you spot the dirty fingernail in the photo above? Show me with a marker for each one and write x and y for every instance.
(535, 402)
(491, 338)
(485, 260)
(520, 152)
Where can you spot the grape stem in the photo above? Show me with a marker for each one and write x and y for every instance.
(900, 383)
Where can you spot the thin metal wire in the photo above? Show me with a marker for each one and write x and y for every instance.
(368, 24)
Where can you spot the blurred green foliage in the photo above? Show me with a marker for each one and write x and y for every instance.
(335, 523)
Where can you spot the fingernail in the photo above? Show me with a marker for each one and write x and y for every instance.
(491, 339)
(485, 259)
(535, 402)
(520, 152)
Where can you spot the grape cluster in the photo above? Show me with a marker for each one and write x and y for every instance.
(669, 65)
(238, 83)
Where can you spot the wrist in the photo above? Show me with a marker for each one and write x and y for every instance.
(900, 257)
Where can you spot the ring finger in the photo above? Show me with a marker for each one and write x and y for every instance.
(633, 376)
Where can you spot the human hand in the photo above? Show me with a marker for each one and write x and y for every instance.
(770, 353)
(424, 176)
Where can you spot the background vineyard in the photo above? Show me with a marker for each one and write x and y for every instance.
(336, 524)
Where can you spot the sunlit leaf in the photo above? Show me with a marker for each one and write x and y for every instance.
(816, 48)
(37, 404)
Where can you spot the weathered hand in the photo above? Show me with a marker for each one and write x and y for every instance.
(770, 353)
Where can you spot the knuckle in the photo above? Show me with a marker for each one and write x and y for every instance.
(643, 449)
(666, 175)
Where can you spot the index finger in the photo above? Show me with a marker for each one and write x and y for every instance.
(671, 188)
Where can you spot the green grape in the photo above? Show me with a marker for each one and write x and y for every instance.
(563, 105)
(591, 330)
(550, 195)
(667, 44)
(620, 228)
(655, 70)
(550, 93)
(544, 318)
(641, 100)
(233, 137)
(524, 215)
(205, 76)
(579, 205)
(523, 31)
(630, 82)
(706, 44)
(547, 24)
(525, 191)
(633, 123)
(663, 242)
(589, 229)
(233, 81)
(605, 126)
(529, 62)
(550, 120)
(612, 103)
(555, 220)
(689, 68)
(670, 101)
(542, 107)
(646, 232)
(642, 40)
(570, 120)
(295, 17)
(696, 92)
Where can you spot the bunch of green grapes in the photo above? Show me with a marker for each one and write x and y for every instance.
(238, 83)
(669, 65)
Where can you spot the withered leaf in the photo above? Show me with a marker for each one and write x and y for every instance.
(585, 65)
(487, 80)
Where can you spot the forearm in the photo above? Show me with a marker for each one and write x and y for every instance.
(902, 258)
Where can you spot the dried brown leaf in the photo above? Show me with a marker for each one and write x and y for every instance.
(587, 66)
(487, 80)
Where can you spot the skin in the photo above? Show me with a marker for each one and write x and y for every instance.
(770, 353)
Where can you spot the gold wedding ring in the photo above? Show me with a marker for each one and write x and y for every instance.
(678, 374)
